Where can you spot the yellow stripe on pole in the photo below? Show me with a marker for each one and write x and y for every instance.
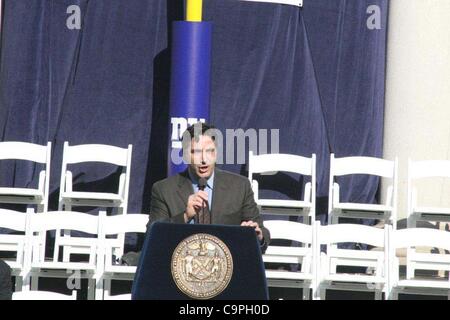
(194, 10)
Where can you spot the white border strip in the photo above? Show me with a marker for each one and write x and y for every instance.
(1, 5)
(297, 3)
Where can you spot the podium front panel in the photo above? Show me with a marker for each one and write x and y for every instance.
(154, 277)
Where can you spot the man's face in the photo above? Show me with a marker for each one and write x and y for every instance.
(203, 157)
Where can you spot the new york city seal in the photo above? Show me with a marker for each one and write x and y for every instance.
(202, 266)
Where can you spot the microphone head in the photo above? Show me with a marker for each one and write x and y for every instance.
(201, 184)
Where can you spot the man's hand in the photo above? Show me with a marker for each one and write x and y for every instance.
(255, 225)
(195, 204)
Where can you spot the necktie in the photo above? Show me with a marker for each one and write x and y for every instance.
(204, 214)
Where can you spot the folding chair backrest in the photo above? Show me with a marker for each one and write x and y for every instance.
(412, 238)
(420, 237)
(96, 153)
(332, 235)
(341, 233)
(273, 163)
(281, 162)
(13, 220)
(64, 220)
(124, 223)
(362, 165)
(289, 230)
(24, 151)
(418, 172)
(12, 150)
(429, 168)
(287, 253)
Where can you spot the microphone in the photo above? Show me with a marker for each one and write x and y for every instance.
(201, 184)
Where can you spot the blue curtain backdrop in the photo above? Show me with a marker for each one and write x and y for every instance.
(316, 73)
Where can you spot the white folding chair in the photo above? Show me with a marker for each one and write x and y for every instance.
(43, 295)
(15, 221)
(10, 150)
(109, 226)
(272, 163)
(94, 153)
(53, 268)
(292, 257)
(368, 166)
(418, 170)
(327, 275)
(428, 282)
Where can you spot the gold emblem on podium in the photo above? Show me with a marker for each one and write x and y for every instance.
(202, 266)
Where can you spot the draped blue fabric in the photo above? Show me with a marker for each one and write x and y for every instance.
(315, 73)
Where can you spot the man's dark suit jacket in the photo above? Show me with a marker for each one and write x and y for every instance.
(5, 281)
(232, 200)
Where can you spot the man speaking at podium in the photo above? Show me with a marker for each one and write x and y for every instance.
(203, 193)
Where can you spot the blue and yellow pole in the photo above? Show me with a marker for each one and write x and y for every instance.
(190, 79)
(194, 10)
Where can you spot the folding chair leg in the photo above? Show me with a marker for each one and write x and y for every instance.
(91, 289)
(334, 219)
(18, 284)
(441, 226)
(392, 294)
(306, 295)
(107, 288)
(315, 294)
(410, 270)
(43, 241)
(121, 237)
(34, 282)
(25, 286)
(118, 252)
(378, 295)
(66, 249)
(26, 279)
(56, 247)
(322, 294)
(40, 208)
(333, 263)
(66, 253)
(66, 233)
(99, 289)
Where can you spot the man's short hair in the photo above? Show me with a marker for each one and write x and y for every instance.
(196, 130)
